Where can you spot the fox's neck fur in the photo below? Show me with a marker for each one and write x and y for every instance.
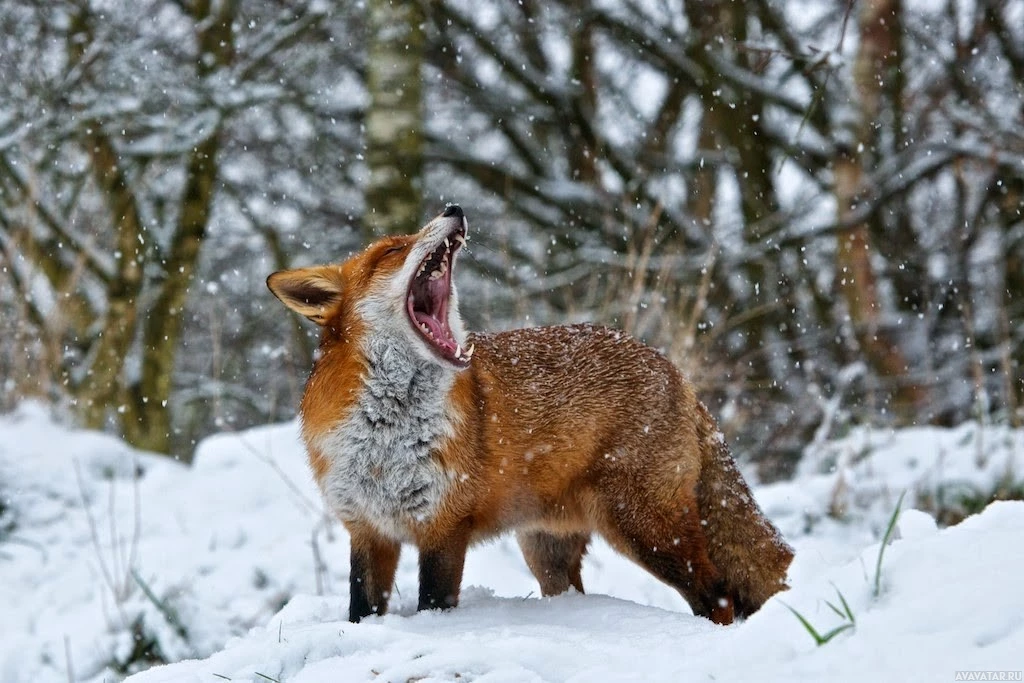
(400, 386)
(381, 465)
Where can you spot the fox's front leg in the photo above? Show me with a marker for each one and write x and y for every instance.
(441, 562)
(373, 561)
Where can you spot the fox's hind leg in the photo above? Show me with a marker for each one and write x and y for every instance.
(556, 560)
(670, 542)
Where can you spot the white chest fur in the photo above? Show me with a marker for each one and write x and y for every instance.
(381, 467)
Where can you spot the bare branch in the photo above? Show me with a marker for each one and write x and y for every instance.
(96, 264)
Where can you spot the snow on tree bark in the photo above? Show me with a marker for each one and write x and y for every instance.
(394, 121)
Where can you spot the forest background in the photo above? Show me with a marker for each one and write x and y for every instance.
(815, 208)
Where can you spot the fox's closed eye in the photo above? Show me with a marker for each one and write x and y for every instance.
(394, 250)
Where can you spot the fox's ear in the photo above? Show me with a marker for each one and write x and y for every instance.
(313, 292)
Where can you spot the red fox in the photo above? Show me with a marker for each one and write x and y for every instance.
(421, 433)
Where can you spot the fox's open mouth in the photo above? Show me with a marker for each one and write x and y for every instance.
(428, 297)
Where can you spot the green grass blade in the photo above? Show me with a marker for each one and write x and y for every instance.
(821, 639)
(846, 607)
(834, 632)
(807, 625)
(846, 612)
(885, 541)
(836, 610)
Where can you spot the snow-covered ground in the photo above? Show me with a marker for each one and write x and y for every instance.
(232, 566)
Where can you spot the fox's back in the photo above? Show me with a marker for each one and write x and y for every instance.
(571, 402)
(581, 373)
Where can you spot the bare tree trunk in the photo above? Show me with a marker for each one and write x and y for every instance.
(98, 391)
(69, 323)
(143, 408)
(877, 53)
(1012, 308)
(735, 121)
(700, 200)
(147, 422)
(582, 153)
(394, 122)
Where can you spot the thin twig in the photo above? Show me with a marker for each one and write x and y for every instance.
(137, 512)
(319, 568)
(67, 659)
(115, 540)
(815, 101)
(95, 538)
(168, 612)
(639, 268)
(310, 505)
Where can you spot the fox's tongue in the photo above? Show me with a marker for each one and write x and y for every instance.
(428, 298)
(430, 309)
(437, 324)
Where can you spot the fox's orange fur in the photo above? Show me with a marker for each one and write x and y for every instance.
(554, 432)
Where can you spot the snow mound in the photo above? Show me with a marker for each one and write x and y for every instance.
(90, 525)
(112, 561)
(949, 601)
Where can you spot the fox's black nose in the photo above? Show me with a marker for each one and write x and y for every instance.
(453, 210)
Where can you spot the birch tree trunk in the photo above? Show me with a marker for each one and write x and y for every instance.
(394, 122)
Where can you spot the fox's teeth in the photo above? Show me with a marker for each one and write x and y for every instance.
(458, 351)
(447, 244)
(460, 238)
(436, 275)
(468, 353)
(426, 331)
